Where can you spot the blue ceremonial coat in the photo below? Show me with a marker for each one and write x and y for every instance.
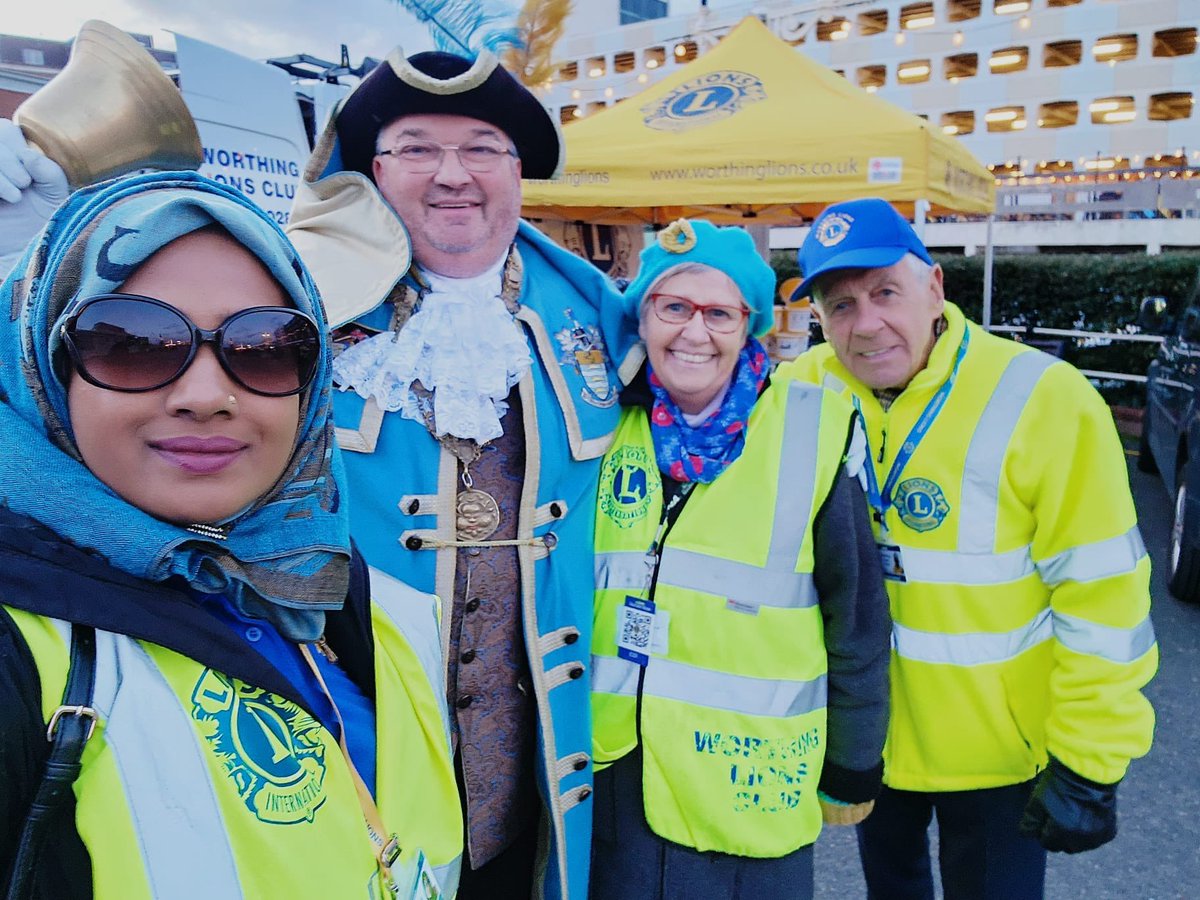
(402, 487)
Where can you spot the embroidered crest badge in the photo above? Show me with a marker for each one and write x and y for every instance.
(704, 100)
(270, 748)
(833, 229)
(921, 504)
(628, 483)
(583, 348)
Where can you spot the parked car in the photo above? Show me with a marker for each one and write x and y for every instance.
(1170, 442)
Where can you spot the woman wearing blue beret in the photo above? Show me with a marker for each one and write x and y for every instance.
(739, 677)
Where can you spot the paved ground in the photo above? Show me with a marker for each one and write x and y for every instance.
(1156, 855)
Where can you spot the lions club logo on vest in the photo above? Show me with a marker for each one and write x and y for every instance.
(270, 748)
(628, 483)
(921, 504)
(709, 98)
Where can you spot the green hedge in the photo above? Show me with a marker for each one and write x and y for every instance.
(1088, 292)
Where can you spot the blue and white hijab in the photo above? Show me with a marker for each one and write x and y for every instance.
(286, 556)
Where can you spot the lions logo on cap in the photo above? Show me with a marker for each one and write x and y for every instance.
(833, 229)
(921, 504)
(709, 98)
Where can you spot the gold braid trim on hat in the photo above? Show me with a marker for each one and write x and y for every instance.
(479, 72)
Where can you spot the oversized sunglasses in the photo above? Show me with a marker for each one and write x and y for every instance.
(126, 342)
(679, 311)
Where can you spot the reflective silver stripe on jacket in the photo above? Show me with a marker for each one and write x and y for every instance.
(671, 680)
(415, 614)
(1118, 645)
(776, 583)
(975, 561)
(984, 463)
(164, 775)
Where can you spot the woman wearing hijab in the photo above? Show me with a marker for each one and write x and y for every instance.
(739, 668)
(260, 721)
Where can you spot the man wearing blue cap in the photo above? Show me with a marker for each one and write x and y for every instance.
(1018, 581)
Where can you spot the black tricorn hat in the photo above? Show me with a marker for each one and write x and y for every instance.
(437, 82)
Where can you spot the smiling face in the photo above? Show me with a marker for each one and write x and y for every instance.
(880, 321)
(460, 222)
(202, 447)
(693, 363)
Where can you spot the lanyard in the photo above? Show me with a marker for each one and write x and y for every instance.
(387, 846)
(659, 535)
(881, 501)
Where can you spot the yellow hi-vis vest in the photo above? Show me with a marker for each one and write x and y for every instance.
(196, 784)
(732, 714)
(1023, 627)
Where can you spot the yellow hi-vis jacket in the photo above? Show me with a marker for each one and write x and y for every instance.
(732, 701)
(1023, 627)
(196, 784)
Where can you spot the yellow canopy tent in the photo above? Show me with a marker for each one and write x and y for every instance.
(754, 130)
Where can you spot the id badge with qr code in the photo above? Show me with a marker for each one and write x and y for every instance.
(641, 630)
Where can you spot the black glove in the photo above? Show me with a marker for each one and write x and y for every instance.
(1070, 813)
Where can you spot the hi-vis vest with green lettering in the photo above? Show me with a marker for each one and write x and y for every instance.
(733, 707)
(1023, 628)
(196, 784)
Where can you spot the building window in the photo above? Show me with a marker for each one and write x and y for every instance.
(1059, 114)
(872, 78)
(568, 71)
(1175, 42)
(1171, 105)
(1005, 118)
(1010, 7)
(1054, 167)
(1009, 59)
(914, 71)
(653, 57)
(917, 15)
(685, 51)
(833, 30)
(32, 57)
(596, 106)
(873, 21)
(624, 61)
(1062, 53)
(1115, 48)
(1054, 3)
(1112, 110)
(597, 67)
(961, 10)
(569, 114)
(958, 122)
(642, 10)
(960, 65)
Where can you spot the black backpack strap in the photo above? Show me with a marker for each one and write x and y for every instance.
(69, 729)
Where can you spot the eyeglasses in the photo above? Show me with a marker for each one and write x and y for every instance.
(426, 156)
(125, 342)
(679, 311)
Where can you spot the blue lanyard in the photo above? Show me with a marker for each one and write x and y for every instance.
(881, 501)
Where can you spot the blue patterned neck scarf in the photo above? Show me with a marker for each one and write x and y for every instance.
(703, 452)
(286, 556)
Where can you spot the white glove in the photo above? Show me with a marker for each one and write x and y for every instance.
(31, 187)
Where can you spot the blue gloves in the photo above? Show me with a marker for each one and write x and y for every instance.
(1070, 813)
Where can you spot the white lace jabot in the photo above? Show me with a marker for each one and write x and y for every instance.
(462, 344)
